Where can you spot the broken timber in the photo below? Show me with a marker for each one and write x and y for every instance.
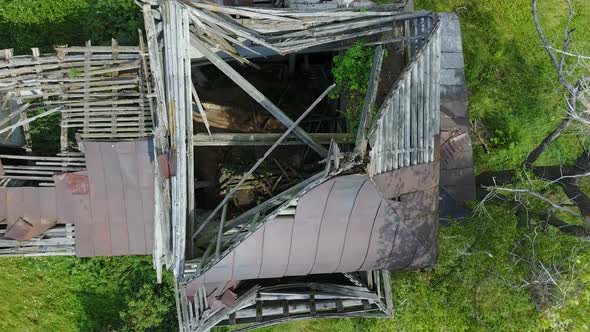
(258, 139)
(257, 95)
(255, 166)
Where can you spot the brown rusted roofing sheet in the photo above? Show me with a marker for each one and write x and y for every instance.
(111, 203)
(34, 205)
(408, 179)
(343, 225)
(3, 208)
(116, 217)
(19, 230)
(335, 223)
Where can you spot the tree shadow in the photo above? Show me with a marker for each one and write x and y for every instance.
(121, 293)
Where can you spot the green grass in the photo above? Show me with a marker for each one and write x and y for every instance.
(71, 294)
(512, 83)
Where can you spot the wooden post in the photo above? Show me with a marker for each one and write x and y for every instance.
(26, 133)
(87, 69)
(370, 97)
(114, 46)
(220, 231)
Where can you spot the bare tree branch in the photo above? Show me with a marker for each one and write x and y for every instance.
(534, 155)
(558, 64)
(573, 90)
(565, 177)
(543, 198)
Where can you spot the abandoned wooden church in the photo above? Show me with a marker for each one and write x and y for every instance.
(221, 146)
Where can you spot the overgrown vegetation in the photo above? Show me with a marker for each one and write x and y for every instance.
(351, 73)
(513, 96)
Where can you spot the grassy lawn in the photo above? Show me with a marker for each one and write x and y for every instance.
(71, 294)
(512, 84)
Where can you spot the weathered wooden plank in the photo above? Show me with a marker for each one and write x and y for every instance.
(111, 238)
(370, 97)
(87, 55)
(258, 139)
(61, 159)
(97, 49)
(29, 120)
(414, 113)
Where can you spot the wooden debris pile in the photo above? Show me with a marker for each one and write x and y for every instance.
(100, 90)
(285, 31)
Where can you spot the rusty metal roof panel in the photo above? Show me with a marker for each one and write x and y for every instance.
(248, 260)
(306, 229)
(119, 205)
(407, 180)
(383, 238)
(15, 204)
(19, 230)
(275, 253)
(360, 225)
(86, 237)
(342, 225)
(48, 203)
(100, 202)
(335, 221)
(28, 212)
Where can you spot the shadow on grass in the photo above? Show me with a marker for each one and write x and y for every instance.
(121, 293)
(508, 76)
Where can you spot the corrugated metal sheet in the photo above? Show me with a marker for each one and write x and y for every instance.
(404, 131)
(32, 222)
(34, 205)
(111, 203)
(342, 225)
(116, 217)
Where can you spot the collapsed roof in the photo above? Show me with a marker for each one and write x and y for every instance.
(124, 182)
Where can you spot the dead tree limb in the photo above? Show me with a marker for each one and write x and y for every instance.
(540, 197)
(573, 89)
(534, 155)
(259, 162)
(558, 64)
